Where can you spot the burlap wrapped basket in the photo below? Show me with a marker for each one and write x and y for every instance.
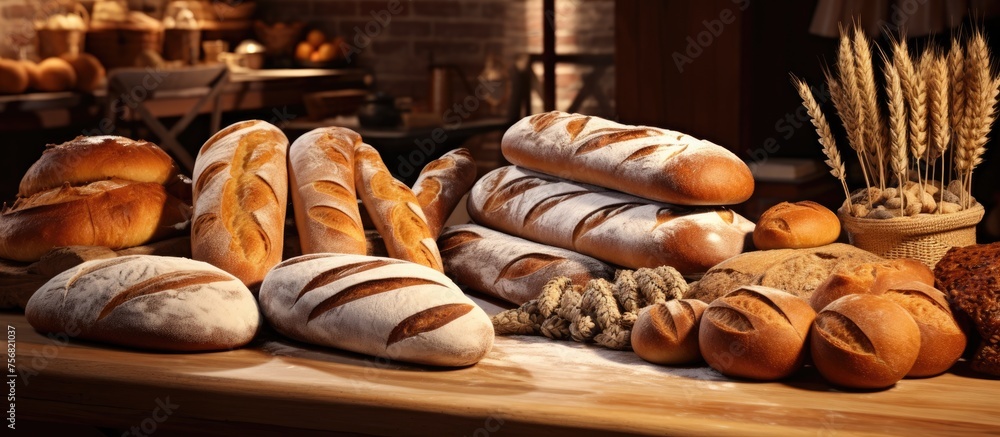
(925, 237)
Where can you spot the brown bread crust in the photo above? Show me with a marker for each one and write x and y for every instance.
(441, 185)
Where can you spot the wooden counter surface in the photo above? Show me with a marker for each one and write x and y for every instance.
(525, 386)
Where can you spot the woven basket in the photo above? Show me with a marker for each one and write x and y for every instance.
(925, 237)
(121, 47)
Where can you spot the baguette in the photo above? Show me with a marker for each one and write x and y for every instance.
(321, 172)
(509, 267)
(240, 195)
(376, 306)
(394, 210)
(655, 164)
(441, 185)
(610, 226)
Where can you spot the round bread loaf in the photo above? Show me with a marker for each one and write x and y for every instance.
(55, 74)
(149, 302)
(116, 214)
(756, 332)
(869, 278)
(34, 73)
(89, 71)
(864, 341)
(89, 159)
(667, 333)
(795, 226)
(13, 77)
(941, 339)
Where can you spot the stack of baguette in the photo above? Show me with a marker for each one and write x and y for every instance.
(591, 194)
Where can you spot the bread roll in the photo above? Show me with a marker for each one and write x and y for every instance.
(969, 276)
(667, 333)
(508, 267)
(756, 332)
(321, 171)
(864, 341)
(148, 302)
(240, 195)
(34, 73)
(395, 211)
(89, 159)
(377, 306)
(441, 185)
(113, 213)
(655, 164)
(90, 73)
(869, 278)
(14, 77)
(55, 74)
(795, 226)
(607, 225)
(941, 340)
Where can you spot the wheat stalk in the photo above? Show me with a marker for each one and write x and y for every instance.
(837, 168)
(981, 98)
(851, 108)
(897, 126)
(874, 141)
(956, 85)
(916, 98)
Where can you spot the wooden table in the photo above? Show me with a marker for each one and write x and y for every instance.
(525, 386)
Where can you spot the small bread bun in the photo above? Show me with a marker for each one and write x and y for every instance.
(864, 341)
(667, 333)
(756, 332)
(941, 340)
(55, 74)
(795, 226)
(89, 71)
(13, 77)
(869, 278)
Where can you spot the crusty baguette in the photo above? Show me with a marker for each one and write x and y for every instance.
(112, 213)
(321, 173)
(508, 267)
(240, 195)
(149, 302)
(441, 185)
(607, 225)
(652, 163)
(377, 306)
(394, 210)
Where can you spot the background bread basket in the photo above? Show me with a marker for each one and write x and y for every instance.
(918, 161)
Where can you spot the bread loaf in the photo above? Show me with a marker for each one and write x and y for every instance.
(394, 210)
(795, 226)
(941, 340)
(54, 75)
(441, 185)
(148, 302)
(667, 333)
(864, 341)
(90, 73)
(970, 276)
(607, 225)
(656, 164)
(869, 278)
(756, 332)
(240, 195)
(321, 171)
(14, 77)
(112, 213)
(378, 306)
(508, 267)
(796, 271)
(90, 159)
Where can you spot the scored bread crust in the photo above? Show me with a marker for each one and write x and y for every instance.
(240, 194)
(148, 302)
(942, 341)
(114, 213)
(441, 185)
(394, 210)
(656, 164)
(321, 174)
(377, 306)
(90, 159)
(667, 332)
(610, 226)
(796, 225)
(508, 267)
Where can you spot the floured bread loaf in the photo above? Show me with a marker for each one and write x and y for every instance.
(148, 302)
(648, 162)
(441, 185)
(610, 226)
(377, 306)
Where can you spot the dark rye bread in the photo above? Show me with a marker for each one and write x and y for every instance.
(796, 271)
(377, 306)
(970, 276)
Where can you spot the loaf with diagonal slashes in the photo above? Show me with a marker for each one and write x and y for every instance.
(377, 306)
